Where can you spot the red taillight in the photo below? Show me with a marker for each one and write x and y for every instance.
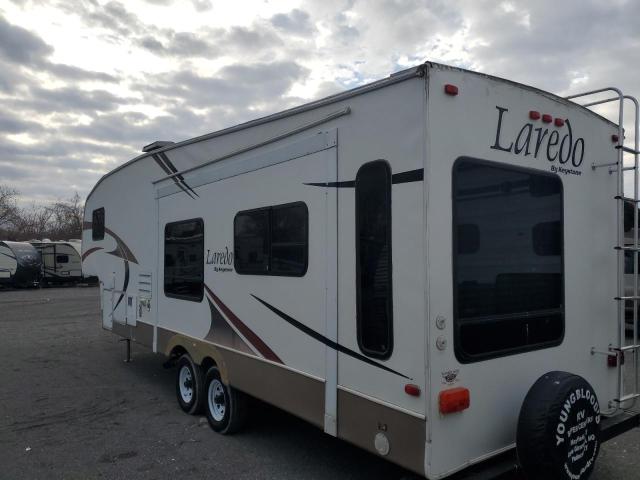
(411, 389)
(454, 400)
(546, 118)
(558, 122)
(450, 89)
(615, 138)
(533, 115)
(612, 360)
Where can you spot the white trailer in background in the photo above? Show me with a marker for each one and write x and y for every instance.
(61, 261)
(423, 266)
(19, 264)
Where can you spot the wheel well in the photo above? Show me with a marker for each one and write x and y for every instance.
(177, 352)
(207, 363)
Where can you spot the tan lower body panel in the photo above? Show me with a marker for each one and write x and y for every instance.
(360, 419)
(140, 332)
(294, 392)
(291, 391)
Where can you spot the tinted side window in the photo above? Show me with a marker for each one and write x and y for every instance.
(289, 224)
(62, 258)
(373, 259)
(184, 260)
(509, 291)
(251, 241)
(272, 240)
(97, 224)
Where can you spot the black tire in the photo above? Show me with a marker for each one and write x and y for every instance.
(558, 433)
(232, 416)
(192, 381)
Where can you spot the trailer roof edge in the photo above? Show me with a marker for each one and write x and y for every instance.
(401, 76)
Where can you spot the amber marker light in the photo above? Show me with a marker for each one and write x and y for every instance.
(454, 400)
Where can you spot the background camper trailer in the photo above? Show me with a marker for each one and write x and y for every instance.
(61, 261)
(19, 265)
(423, 262)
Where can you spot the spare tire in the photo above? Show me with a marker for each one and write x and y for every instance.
(558, 433)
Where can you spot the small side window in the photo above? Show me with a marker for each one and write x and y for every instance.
(184, 260)
(97, 224)
(62, 258)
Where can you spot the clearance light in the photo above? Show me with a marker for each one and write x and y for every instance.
(454, 400)
(615, 138)
(546, 118)
(450, 89)
(411, 389)
(558, 122)
(533, 115)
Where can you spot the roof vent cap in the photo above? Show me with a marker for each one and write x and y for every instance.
(156, 145)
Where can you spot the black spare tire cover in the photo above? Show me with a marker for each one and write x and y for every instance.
(559, 428)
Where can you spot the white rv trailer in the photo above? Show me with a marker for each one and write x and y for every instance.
(423, 266)
(19, 264)
(61, 261)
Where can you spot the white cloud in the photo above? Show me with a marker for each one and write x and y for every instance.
(85, 84)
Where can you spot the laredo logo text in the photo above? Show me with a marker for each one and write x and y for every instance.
(555, 145)
(222, 260)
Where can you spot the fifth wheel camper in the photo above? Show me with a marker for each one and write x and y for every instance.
(433, 260)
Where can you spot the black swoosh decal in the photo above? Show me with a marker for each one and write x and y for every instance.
(416, 175)
(321, 338)
(125, 285)
(410, 176)
(345, 184)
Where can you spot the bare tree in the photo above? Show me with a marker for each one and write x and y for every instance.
(8, 207)
(32, 223)
(66, 218)
(61, 220)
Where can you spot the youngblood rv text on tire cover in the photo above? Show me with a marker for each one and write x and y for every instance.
(559, 428)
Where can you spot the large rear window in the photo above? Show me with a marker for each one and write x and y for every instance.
(507, 261)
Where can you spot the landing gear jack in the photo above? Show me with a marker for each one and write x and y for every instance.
(127, 358)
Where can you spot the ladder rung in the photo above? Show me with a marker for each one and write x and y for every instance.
(628, 150)
(627, 249)
(627, 199)
(628, 168)
(626, 398)
(627, 298)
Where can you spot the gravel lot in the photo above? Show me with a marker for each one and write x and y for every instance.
(70, 408)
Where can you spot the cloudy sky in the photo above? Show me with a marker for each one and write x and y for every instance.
(84, 84)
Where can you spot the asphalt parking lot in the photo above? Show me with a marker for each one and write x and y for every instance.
(71, 408)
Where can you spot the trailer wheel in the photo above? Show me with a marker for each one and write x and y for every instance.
(225, 406)
(559, 428)
(189, 388)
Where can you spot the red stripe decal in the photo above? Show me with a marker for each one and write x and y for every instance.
(249, 334)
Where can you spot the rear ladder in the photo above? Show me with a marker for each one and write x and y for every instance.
(624, 399)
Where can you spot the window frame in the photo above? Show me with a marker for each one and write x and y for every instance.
(382, 355)
(462, 356)
(270, 272)
(97, 235)
(187, 298)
